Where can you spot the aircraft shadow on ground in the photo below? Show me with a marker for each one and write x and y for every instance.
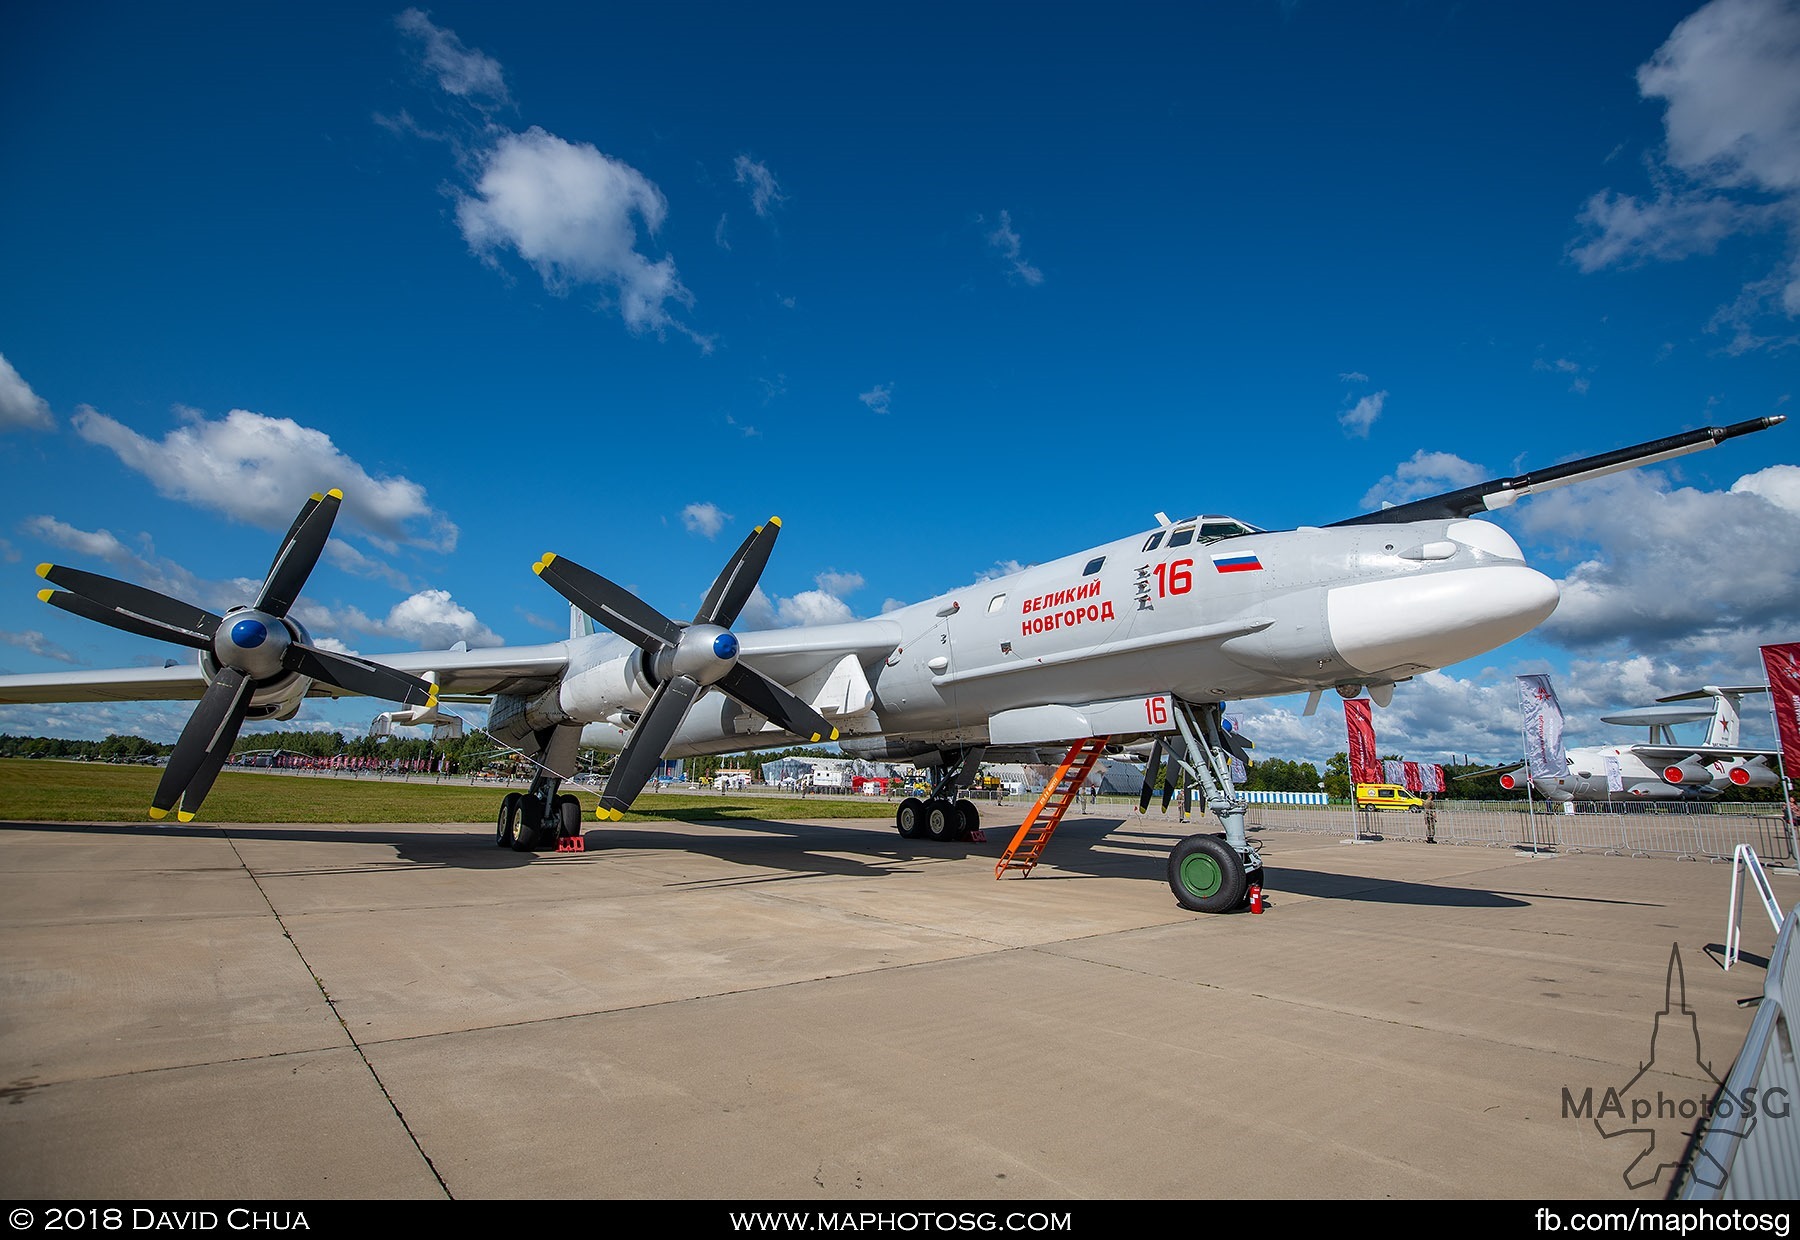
(774, 850)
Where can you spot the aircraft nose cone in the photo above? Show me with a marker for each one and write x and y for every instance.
(1436, 619)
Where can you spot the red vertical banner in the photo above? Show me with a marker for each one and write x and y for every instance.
(1783, 665)
(1410, 772)
(1365, 767)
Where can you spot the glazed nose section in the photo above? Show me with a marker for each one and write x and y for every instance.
(1436, 619)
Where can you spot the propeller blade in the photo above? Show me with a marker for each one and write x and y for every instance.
(204, 745)
(299, 553)
(737, 580)
(1149, 788)
(306, 510)
(128, 621)
(362, 676)
(1174, 776)
(775, 704)
(115, 601)
(612, 605)
(631, 770)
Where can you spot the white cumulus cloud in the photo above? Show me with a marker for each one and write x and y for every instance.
(1729, 79)
(765, 192)
(460, 70)
(21, 409)
(705, 519)
(260, 470)
(574, 214)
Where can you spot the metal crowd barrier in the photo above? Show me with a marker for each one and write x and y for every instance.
(1753, 1153)
(1710, 835)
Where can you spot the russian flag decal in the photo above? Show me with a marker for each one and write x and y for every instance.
(1240, 562)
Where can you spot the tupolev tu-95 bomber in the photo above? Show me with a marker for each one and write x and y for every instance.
(1140, 640)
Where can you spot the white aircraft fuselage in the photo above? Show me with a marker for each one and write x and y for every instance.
(1086, 644)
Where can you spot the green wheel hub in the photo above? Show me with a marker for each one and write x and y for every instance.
(1201, 875)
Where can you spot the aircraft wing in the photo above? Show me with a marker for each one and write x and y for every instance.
(463, 673)
(182, 682)
(1502, 492)
(1699, 753)
(458, 673)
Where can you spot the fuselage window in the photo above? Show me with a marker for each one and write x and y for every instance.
(996, 603)
(1155, 541)
(1182, 537)
(1093, 566)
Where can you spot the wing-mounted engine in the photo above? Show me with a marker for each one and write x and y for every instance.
(1514, 779)
(258, 661)
(1746, 773)
(1686, 773)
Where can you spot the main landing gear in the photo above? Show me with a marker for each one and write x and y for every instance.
(1211, 873)
(943, 816)
(539, 818)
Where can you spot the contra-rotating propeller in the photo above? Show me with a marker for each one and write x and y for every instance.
(683, 659)
(252, 646)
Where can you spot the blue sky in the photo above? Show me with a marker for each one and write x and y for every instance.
(946, 287)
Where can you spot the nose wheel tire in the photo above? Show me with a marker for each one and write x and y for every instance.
(1206, 875)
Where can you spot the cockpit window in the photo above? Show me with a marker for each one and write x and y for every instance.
(1213, 531)
(1155, 541)
(1182, 537)
(1093, 566)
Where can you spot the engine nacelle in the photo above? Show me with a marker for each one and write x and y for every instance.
(1513, 780)
(886, 748)
(615, 688)
(1739, 773)
(1686, 774)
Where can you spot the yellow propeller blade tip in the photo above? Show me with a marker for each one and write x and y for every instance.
(834, 734)
(775, 521)
(335, 493)
(815, 736)
(43, 570)
(317, 498)
(185, 815)
(618, 815)
(158, 814)
(44, 595)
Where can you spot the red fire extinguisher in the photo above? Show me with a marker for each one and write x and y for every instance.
(1256, 897)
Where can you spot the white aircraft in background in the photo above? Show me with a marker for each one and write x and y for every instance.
(1143, 637)
(1662, 768)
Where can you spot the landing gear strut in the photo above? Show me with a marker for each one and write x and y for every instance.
(1211, 873)
(943, 816)
(542, 815)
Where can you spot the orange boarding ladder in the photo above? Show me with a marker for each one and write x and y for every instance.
(1040, 824)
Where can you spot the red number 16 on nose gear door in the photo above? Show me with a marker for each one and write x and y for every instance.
(1156, 710)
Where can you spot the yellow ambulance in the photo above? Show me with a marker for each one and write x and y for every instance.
(1387, 796)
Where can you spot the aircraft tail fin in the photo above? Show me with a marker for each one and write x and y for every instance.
(580, 623)
(1725, 730)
